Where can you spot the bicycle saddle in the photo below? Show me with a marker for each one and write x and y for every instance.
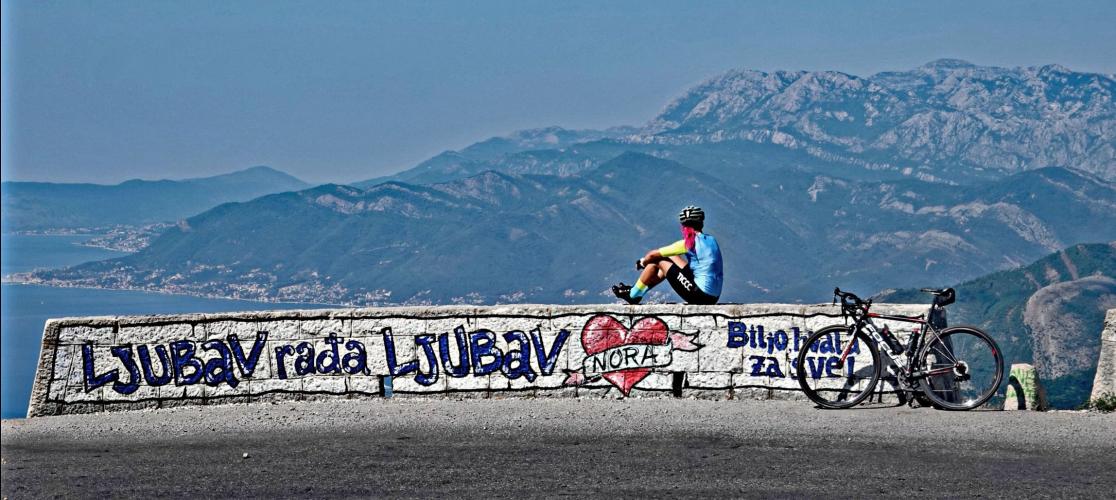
(942, 296)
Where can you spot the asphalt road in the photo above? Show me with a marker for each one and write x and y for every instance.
(568, 447)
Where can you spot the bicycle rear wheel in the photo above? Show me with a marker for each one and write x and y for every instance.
(829, 382)
(962, 368)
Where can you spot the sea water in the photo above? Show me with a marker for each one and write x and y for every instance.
(25, 308)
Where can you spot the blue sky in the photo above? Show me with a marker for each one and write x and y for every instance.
(343, 91)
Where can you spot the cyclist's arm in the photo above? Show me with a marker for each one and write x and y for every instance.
(676, 248)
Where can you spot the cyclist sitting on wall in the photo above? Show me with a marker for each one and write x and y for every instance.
(692, 265)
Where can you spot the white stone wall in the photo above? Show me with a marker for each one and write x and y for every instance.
(723, 351)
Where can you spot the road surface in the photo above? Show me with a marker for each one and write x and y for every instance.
(558, 447)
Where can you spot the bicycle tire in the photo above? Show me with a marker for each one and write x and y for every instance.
(818, 395)
(978, 347)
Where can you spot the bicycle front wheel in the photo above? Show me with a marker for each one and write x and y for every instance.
(960, 368)
(831, 382)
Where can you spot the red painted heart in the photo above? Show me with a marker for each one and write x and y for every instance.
(603, 332)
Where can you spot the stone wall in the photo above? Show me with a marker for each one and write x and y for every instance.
(1105, 380)
(131, 362)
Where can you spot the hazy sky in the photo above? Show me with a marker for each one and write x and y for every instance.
(340, 91)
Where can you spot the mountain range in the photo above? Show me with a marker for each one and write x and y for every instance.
(947, 121)
(498, 237)
(811, 179)
(39, 206)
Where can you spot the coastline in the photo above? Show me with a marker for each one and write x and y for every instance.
(7, 280)
(121, 238)
(27, 276)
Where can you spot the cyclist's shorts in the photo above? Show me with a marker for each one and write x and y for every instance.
(682, 281)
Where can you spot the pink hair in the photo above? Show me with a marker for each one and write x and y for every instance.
(689, 236)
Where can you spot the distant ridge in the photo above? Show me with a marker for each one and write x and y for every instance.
(548, 150)
(947, 121)
(47, 205)
(498, 237)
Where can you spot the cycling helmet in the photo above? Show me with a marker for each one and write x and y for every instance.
(691, 215)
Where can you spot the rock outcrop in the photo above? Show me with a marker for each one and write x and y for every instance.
(1063, 319)
(1105, 381)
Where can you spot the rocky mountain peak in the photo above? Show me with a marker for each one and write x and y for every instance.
(489, 186)
(979, 120)
(946, 63)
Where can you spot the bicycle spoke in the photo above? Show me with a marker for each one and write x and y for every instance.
(962, 368)
(941, 347)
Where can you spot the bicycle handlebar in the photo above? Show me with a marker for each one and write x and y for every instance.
(849, 300)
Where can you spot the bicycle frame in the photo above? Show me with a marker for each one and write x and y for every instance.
(906, 371)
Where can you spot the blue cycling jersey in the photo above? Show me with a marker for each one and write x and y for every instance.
(704, 260)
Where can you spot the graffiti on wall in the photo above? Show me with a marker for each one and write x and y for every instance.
(216, 362)
(478, 355)
(773, 353)
(619, 354)
(180, 362)
(625, 356)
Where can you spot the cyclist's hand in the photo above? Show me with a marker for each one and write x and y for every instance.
(639, 264)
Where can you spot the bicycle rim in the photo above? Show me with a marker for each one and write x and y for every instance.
(963, 368)
(828, 382)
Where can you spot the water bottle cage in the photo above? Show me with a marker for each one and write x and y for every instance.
(892, 342)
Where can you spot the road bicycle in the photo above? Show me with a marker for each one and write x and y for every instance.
(956, 368)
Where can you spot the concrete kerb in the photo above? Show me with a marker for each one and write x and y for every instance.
(544, 340)
(1024, 391)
